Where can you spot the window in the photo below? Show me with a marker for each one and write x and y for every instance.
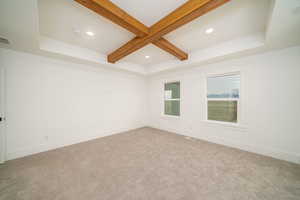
(223, 94)
(172, 99)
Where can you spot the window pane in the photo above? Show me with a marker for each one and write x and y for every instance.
(172, 90)
(172, 108)
(223, 86)
(222, 111)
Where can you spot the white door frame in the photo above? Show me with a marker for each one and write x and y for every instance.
(2, 115)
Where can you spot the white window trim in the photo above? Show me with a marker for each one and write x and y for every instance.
(177, 99)
(172, 99)
(239, 107)
(224, 99)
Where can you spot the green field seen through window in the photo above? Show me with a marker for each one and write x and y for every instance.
(225, 111)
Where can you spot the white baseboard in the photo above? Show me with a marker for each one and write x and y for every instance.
(270, 152)
(22, 152)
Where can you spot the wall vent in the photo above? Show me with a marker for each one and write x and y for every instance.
(4, 41)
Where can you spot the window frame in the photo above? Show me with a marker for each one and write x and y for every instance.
(178, 99)
(238, 120)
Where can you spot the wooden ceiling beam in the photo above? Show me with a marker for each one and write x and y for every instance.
(115, 14)
(182, 15)
(171, 48)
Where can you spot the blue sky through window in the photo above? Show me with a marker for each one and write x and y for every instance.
(227, 86)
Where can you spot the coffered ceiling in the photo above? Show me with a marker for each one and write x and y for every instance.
(59, 28)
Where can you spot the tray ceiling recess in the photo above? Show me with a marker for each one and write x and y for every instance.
(187, 12)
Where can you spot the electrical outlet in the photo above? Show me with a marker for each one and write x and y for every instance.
(188, 138)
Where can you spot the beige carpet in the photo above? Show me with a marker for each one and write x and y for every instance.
(148, 164)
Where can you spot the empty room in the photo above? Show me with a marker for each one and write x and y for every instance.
(149, 100)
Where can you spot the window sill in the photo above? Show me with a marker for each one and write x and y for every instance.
(235, 126)
(170, 116)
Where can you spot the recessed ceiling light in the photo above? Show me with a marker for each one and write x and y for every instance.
(90, 33)
(147, 57)
(209, 30)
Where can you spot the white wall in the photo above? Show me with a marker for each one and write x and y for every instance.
(270, 97)
(51, 103)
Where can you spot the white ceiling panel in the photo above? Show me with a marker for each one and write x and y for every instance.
(68, 21)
